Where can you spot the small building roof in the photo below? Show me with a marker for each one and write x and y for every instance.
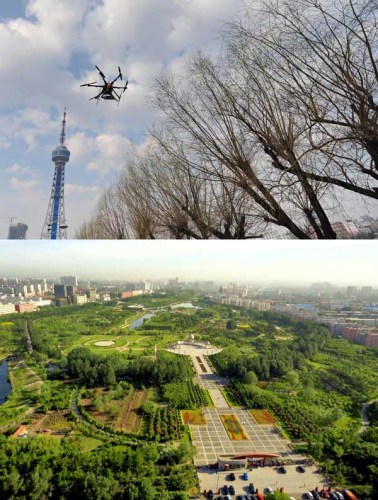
(21, 431)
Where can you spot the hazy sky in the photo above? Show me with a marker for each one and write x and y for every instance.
(344, 262)
(50, 47)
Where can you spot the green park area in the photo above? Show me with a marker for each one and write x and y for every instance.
(95, 391)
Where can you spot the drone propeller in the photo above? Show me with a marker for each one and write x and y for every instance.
(87, 84)
(125, 86)
(120, 72)
(101, 73)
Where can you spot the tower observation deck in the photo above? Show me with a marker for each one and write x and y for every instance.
(55, 227)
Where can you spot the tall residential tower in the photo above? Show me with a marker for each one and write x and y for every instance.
(55, 227)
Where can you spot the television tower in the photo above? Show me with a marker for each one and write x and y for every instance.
(55, 227)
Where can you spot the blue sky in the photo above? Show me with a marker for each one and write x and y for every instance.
(50, 47)
(343, 262)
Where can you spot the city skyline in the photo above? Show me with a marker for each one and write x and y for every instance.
(291, 262)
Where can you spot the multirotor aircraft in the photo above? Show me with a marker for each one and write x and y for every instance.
(108, 91)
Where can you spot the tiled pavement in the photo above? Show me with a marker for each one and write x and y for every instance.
(212, 439)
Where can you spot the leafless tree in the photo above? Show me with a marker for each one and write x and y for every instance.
(184, 204)
(274, 132)
(109, 220)
(321, 58)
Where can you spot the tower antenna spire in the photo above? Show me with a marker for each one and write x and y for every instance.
(63, 132)
(55, 227)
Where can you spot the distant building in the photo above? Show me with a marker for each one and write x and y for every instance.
(105, 297)
(345, 230)
(42, 302)
(371, 339)
(260, 305)
(91, 295)
(17, 231)
(79, 299)
(351, 291)
(130, 293)
(60, 291)
(366, 291)
(233, 291)
(71, 290)
(69, 280)
(25, 307)
(7, 308)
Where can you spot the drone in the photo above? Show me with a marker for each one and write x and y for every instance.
(108, 91)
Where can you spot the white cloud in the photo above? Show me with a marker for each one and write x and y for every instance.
(40, 77)
(23, 184)
(77, 188)
(109, 151)
(17, 169)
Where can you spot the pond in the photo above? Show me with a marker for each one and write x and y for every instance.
(139, 321)
(5, 387)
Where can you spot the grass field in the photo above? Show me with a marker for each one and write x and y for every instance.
(233, 428)
(84, 443)
(262, 417)
(193, 417)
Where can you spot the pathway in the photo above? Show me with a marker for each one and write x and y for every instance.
(365, 420)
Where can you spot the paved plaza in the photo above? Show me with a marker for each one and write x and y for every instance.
(212, 439)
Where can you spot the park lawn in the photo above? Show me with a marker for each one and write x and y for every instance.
(263, 417)
(233, 428)
(193, 417)
(85, 443)
(22, 377)
(8, 342)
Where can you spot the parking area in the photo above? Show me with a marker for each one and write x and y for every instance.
(294, 483)
(212, 439)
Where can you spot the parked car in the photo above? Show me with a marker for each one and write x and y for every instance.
(231, 490)
(210, 494)
(340, 496)
(315, 494)
(268, 490)
(232, 476)
(245, 476)
(300, 468)
(349, 495)
(282, 469)
(324, 493)
(251, 488)
(307, 495)
(333, 496)
(225, 490)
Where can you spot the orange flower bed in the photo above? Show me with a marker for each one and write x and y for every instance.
(263, 417)
(193, 417)
(233, 428)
